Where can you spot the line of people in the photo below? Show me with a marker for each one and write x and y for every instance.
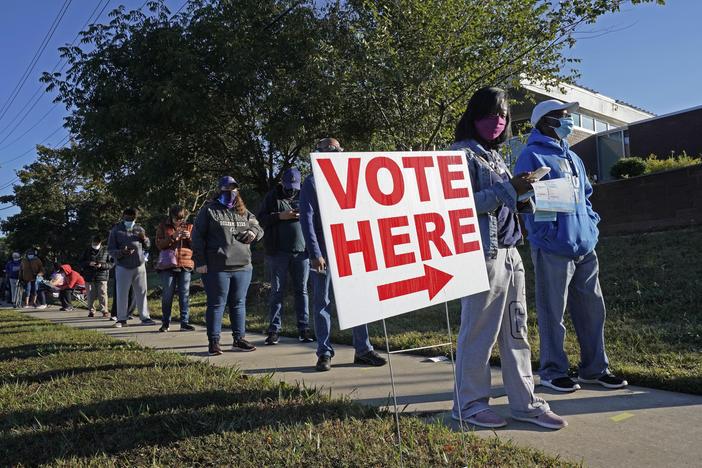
(218, 246)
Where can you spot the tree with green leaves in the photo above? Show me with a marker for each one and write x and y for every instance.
(60, 209)
(408, 67)
(164, 105)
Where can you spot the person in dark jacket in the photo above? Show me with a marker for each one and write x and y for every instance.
(72, 280)
(12, 270)
(127, 245)
(311, 223)
(285, 252)
(95, 265)
(223, 232)
(173, 239)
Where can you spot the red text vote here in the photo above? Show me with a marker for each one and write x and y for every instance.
(400, 228)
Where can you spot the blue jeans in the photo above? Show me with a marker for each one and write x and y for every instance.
(226, 288)
(299, 267)
(561, 282)
(322, 293)
(169, 279)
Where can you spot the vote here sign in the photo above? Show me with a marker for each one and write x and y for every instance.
(400, 229)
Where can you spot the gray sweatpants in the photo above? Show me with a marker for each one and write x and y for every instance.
(497, 315)
(561, 282)
(135, 277)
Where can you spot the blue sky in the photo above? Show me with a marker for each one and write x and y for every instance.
(646, 55)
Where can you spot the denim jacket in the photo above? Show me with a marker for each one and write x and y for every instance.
(488, 196)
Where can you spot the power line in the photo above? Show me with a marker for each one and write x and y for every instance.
(40, 90)
(53, 108)
(33, 148)
(42, 47)
(9, 183)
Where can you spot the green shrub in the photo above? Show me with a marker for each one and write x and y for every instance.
(653, 164)
(628, 167)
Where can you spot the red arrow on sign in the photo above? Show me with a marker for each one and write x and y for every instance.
(433, 281)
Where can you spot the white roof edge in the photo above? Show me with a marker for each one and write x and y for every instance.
(525, 83)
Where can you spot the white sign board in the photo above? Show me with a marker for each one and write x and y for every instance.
(400, 230)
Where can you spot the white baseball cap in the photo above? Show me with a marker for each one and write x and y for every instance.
(551, 105)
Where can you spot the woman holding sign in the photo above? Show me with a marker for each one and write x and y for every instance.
(497, 315)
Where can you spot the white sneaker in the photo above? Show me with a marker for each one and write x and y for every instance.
(119, 325)
(549, 420)
(41, 306)
(114, 319)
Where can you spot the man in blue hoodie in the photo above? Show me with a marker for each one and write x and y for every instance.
(311, 224)
(565, 262)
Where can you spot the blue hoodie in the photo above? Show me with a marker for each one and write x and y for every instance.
(572, 234)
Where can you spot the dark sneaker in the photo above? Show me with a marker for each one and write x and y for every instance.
(213, 349)
(561, 384)
(66, 309)
(272, 338)
(607, 381)
(305, 336)
(243, 346)
(130, 317)
(164, 329)
(323, 363)
(120, 324)
(186, 327)
(549, 420)
(371, 358)
(148, 321)
(91, 314)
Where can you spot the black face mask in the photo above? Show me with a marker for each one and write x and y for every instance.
(290, 193)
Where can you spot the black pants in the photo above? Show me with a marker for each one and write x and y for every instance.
(65, 298)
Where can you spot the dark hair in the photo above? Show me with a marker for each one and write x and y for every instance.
(97, 238)
(175, 210)
(130, 211)
(485, 101)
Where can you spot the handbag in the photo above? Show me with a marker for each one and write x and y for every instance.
(167, 259)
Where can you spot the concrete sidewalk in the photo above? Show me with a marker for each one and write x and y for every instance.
(630, 427)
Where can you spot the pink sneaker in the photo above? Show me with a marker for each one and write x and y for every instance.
(549, 420)
(486, 418)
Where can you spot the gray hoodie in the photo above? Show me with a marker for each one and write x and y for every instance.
(121, 237)
(215, 238)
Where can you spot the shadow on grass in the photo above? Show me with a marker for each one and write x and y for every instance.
(46, 349)
(112, 427)
(47, 376)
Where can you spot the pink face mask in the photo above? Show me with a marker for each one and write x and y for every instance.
(490, 127)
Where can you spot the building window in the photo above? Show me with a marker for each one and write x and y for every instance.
(600, 126)
(587, 122)
(576, 119)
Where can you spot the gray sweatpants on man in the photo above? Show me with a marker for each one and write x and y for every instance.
(496, 316)
(561, 282)
(136, 278)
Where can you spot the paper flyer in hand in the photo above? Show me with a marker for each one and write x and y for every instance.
(555, 195)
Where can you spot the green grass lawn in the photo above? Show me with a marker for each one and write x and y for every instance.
(653, 288)
(70, 397)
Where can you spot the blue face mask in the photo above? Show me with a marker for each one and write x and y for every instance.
(228, 198)
(565, 128)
